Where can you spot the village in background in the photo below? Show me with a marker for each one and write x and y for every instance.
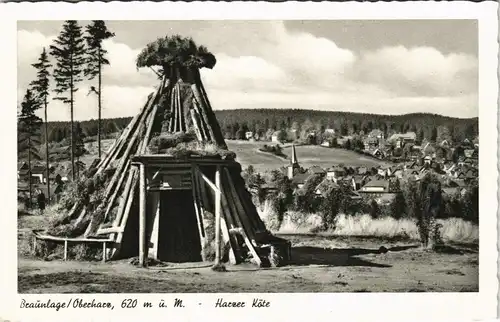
(395, 195)
(371, 158)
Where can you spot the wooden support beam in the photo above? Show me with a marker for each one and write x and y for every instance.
(115, 193)
(228, 211)
(151, 120)
(172, 110)
(217, 133)
(34, 244)
(175, 116)
(202, 110)
(196, 126)
(110, 230)
(241, 221)
(182, 125)
(142, 216)
(196, 207)
(123, 222)
(210, 183)
(104, 249)
(80, 217)
(217, 217)
(203, 128)
(121, 165)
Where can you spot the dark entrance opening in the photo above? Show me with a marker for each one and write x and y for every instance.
(179, 239)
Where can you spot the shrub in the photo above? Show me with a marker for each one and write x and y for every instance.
(425, 202)
(85, 251)
(374, 209)
(329, 208)
(398, 206)
(276, 150)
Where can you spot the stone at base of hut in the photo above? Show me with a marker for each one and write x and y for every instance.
(274, 251)
(219, 268)
(275, 255)
(149, 262)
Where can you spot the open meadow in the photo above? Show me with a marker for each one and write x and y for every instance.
(248, 153)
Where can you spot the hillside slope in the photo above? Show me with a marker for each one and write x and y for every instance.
(247, 154)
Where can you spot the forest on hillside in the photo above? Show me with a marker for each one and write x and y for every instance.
(262, 121)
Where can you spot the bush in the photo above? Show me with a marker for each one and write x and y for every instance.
(329, 208)
(374, 210)
(398, 206)
(276, 150)
(269, 215)
(84, 251)
(425, 202)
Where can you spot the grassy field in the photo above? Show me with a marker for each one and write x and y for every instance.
(310, 155)
(247, 154)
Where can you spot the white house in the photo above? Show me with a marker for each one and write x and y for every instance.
(376, 186)
(335, 173)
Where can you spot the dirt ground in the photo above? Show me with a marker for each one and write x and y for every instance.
(320, 264)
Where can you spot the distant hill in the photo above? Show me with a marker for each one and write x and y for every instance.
(264, 119)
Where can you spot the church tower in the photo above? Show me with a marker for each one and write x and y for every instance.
(294, 163)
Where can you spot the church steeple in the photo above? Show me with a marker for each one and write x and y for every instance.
(294, 163)
(294, 156)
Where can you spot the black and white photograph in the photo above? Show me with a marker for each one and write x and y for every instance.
(319, 146)
(222, 157)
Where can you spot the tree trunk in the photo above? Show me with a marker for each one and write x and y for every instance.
(99, 107)
(29, 171)
(47, 150)
(72, 129)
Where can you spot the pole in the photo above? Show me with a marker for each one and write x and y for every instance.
(142, 216)
(217, 217)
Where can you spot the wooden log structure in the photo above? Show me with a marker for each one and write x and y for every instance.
(186, 103)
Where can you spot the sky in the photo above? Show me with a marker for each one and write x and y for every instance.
(381, 67)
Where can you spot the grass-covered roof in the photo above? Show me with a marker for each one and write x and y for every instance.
(171, 51)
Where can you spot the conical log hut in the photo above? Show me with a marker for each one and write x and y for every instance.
(169, 181)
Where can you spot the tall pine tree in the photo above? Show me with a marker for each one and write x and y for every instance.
(69, 51)
(41, 89)
(29, 125)
(97, 32)
(79, 145)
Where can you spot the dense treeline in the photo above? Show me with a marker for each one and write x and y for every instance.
(345, 123)
(58, 131)
(235, 123)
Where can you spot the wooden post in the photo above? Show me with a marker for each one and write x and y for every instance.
(199, 219)
(142, 216)
(34, 245)
(217, 217)
(66, 250)
(104, 252)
